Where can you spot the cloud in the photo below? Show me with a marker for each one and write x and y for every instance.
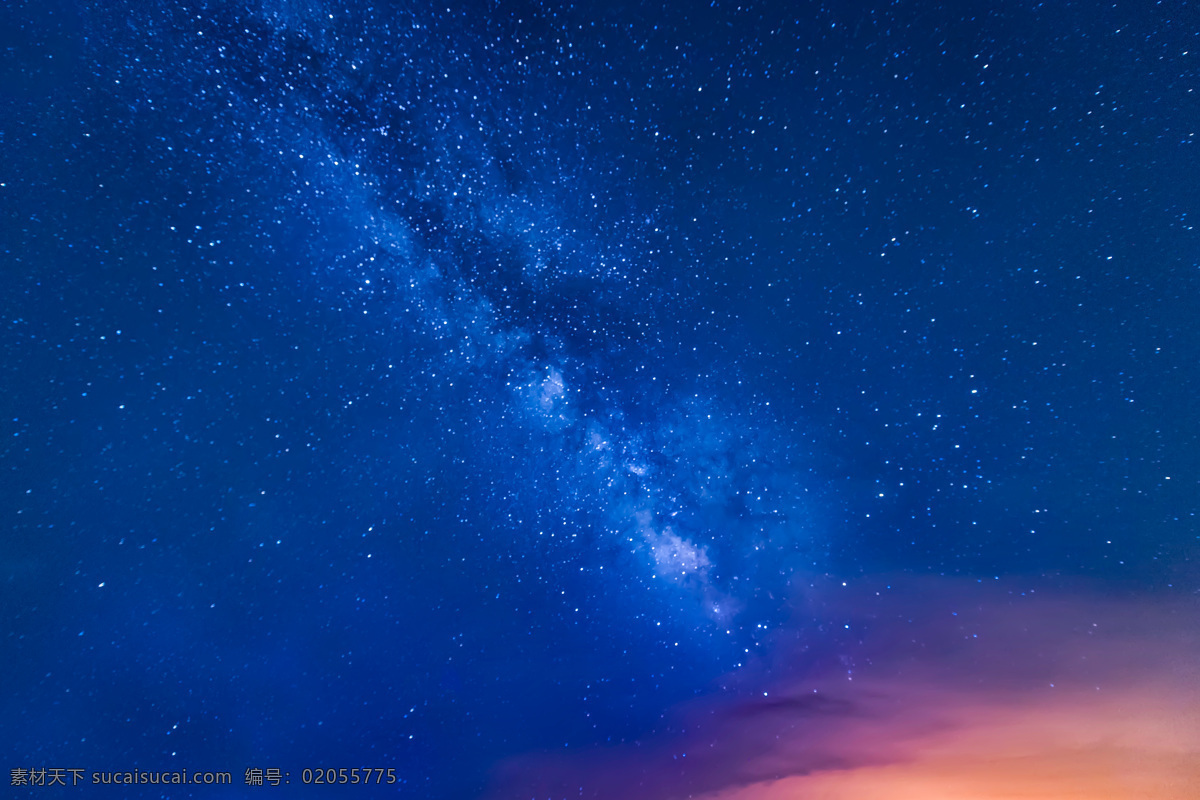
(1132, 741)
(930, 690)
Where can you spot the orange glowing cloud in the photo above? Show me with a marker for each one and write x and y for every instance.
(1135, 742)
(946, 692)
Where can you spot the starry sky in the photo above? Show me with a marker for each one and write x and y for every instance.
(739, 401)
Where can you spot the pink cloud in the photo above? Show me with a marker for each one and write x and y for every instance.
(936, 689)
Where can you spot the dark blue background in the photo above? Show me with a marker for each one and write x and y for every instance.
(828, 291)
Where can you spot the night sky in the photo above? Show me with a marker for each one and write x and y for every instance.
(748, 402)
